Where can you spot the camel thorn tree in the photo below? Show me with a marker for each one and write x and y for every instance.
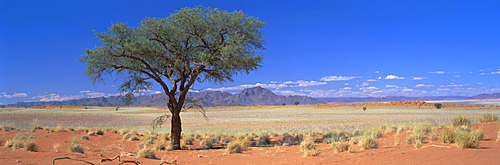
(192, 45)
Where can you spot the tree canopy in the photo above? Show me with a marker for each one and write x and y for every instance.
(191, 45)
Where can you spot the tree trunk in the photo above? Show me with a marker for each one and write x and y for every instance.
(176, 129)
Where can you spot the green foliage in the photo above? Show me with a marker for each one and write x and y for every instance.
(296, 103)
(465, 139)
(447, 136)
(486, 118)
(191, 45)
(438, 105)
(461, 121)
(203, 44)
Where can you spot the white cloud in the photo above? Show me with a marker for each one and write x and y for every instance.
(438, 72)
(391, 86)
(392, 77)
(408, 90)
(423, 85)
(453, 85)
(368, 88)
(419, 78)
(84, 91)
(4, 94)
(302, 83)
(288, 92)
(338, 78)
(245, 86)
(363, 84)
(56, 97)
(457, 75)
(347, 88)
(498, 72)
(371, 80)
(377, 71)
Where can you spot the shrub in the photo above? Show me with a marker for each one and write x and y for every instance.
(233, 147)
(189, 140)
(415, 138)
(30, 146)
(85, 138)
(22, 141)
(438, 105)
(367, 143)
(479, 133)
(308, 147)
(486, 118)
(75, 147)
(146, 153)
(341, 146)
(461, 121)
(289, 140)
(263, 140)
(207, 143)
(447, 136)
(466, 139)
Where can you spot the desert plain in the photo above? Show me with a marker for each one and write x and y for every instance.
(107, 132)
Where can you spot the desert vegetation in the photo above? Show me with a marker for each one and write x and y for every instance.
(310, 130)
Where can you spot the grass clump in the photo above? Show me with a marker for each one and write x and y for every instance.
(461, 121)
(341, 146)
(233, 147)
(22, 141)
(308, 147)
(498, 135)
(447, 135)
(75, 147)
(367, 143)
(465, 139)
(416, 139)
(146, 153)
(486, 118)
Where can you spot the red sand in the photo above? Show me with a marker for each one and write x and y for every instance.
(111, 144)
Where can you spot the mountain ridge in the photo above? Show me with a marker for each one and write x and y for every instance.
(247, 97)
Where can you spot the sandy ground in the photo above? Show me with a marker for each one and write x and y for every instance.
(111, 144)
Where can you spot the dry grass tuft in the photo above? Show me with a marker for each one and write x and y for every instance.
(309, 148)
(486, 118)
(447, 136)
(22, 141)
(416, 139)
(233, 147)
(498, 135)
(465, 139)
(461, 121)
(341, 146)
(56, 146)
(146, 153)
(367, 143)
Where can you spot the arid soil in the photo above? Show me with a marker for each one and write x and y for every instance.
(111, 144)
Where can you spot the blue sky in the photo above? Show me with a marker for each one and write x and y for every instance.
(324, 48)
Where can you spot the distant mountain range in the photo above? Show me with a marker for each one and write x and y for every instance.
(247, 97)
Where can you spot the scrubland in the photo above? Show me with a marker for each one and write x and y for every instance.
(267, 134)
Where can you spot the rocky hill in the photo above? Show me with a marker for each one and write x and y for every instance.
(486, 96)
(247, 97)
